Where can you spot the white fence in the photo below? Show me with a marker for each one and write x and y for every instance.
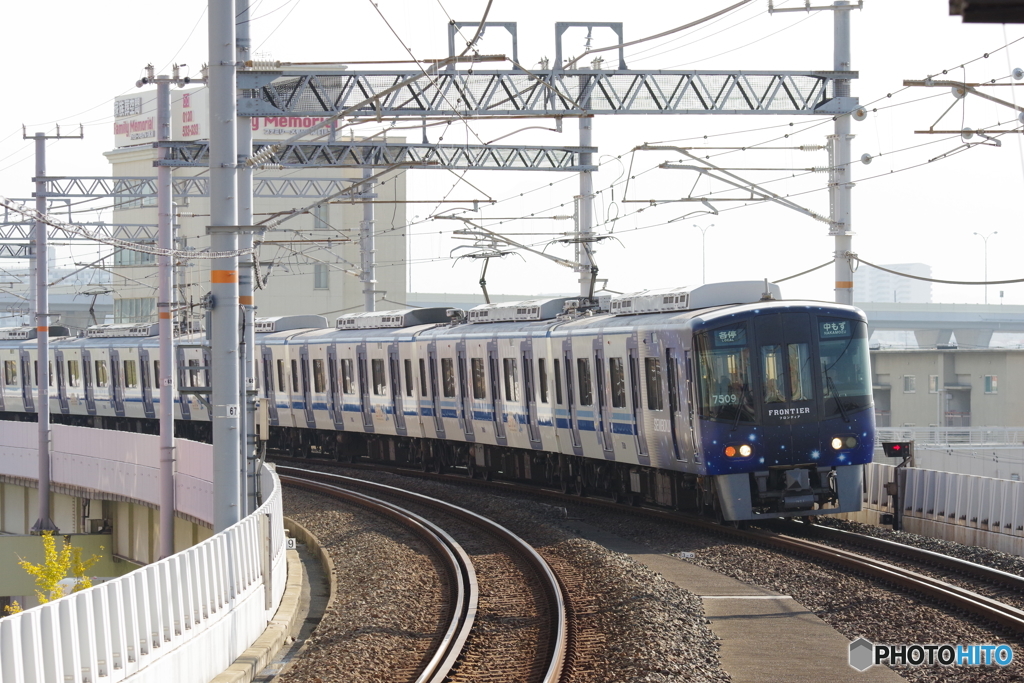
(182, 619)
(947, 436)
(965, 508)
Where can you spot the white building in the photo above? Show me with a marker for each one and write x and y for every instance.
(871, 284)
(310, 264)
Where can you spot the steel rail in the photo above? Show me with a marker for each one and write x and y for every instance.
(954, 596)
(969, 569)
(560, 635)
(465, 594)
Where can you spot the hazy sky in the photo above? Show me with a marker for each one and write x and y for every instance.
(75, 57)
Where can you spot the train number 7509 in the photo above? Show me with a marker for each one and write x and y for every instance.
(724, 399)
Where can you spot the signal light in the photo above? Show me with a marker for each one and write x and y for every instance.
(898, 449)
(745, 450)
(730, 451)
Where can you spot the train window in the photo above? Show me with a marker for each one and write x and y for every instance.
(348, 383)
(156, 374)
(379, 378)
(35, 373)
(423, 377)
(280, 375)
(49, 367)
(319, 385)
(295, 376)
(771, 367)
(542, 378)
(101, 372)
(845, 366)
(448, 377)
(724, 375)
(558, 380)
(479, 378)
(599, 378)
(131, 376)
(10, 372)
(528, 380)
(801, 383)
(583, 372)
(409, 388)
(511, 379)
(617, 375)
(652, 367)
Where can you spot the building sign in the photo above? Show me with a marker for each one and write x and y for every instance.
(135, 119)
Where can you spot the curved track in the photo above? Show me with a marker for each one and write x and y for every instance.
(984, 608)
(463, 652)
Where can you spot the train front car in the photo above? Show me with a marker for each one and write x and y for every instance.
(784, 405)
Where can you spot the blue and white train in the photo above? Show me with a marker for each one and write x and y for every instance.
(722, 399)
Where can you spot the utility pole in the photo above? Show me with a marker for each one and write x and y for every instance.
(223, 332)
(247, 441)
(842, 215)
(41, 263)
(367, 247)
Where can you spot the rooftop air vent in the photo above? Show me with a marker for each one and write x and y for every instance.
(290, 322)
(407, 317)
(705, 296)
(123, 330)
(533, 309)
(9, 333)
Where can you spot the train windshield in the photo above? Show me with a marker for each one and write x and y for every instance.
(845, 365)
(725, 386)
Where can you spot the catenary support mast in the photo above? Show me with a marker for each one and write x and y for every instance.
(842, 216)
(165, 305)
(223, 332)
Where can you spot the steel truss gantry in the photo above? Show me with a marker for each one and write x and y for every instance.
(126, 189)
(294, 93)
(363, 154)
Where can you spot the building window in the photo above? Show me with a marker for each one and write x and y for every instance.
(128, 257)
(991, 384)
(135, 310)
(933, 384)
(909, 384)
(320, 276)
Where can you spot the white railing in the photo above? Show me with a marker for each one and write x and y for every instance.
(965, 508)
(944, 436)
(183, 619)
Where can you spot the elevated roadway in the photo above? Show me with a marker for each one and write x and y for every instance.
(934, 324)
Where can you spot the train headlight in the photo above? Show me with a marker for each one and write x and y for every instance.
(730, 451)
(745, 450)
(851, 442)
(837, 444)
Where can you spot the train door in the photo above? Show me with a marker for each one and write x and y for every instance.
(184, 380)
(269, 396)
(640, 433)
(88, 388)
(146, 379)
(396, 389)
(530, 391)
(435, 389)
(116, 382)
(465, 398)
(691, 402)
(60, 374)
(307, 392)
(497, 404)
(334, 400)
(674, 406)
(26, 381)
(604, 412)
(570, 396)
(364, 388)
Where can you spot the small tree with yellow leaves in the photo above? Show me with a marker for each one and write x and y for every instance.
(56, 566)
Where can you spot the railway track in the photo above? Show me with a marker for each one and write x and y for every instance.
(984, 608)
(508, 617)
